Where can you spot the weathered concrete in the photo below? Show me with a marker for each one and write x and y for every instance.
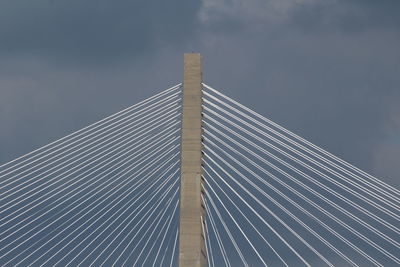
(192, 252)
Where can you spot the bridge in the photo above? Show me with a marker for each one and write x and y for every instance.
(191, 177)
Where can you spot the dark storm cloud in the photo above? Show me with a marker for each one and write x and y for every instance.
(328, 70)
(347, 16)
(78, 57)
(92, 29)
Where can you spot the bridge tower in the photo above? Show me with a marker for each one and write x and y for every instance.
(192, 251)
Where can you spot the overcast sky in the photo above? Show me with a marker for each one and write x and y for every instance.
(328, 70)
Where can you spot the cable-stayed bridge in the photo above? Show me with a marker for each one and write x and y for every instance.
(119, 193)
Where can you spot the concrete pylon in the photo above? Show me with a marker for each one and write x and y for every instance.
(192, 251)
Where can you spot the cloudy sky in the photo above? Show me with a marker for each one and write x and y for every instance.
(328, 70)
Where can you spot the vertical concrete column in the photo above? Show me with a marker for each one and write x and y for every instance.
(192, 252)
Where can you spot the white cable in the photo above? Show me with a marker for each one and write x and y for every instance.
(167, 247)
(151, 234)
(138, 182)
(348, 189)
(129, 127)
(174, 247)
(163, 240)
(83, 130)
(302, 163)
(216, 233)
(133, 238)
(203, 231)
(54, 189)
(108, 171)
(211, 255)
(146, 202)
(291, 189)
(348, 201)
(102, 164)
(157, 237)
(117, 141)
(85, 153)
(287, 226)
(154, 242)
(249, 221)
(387, 194)
(163, 195)
(298, 182)
(89, 141)
(120, 185)
(113, 191)
(238, 250)
(98, 212)
(236, 223)
(309, 214)
(387, 186)
(256, 213)
(105, 163)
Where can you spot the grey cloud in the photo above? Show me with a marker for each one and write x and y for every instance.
(324, 69)
(93, 30)
(309, 16)
(327, 82)
(347, 17)
(328, 70)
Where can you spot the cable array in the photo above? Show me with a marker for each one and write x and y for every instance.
(107, 194)
(274, 198)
